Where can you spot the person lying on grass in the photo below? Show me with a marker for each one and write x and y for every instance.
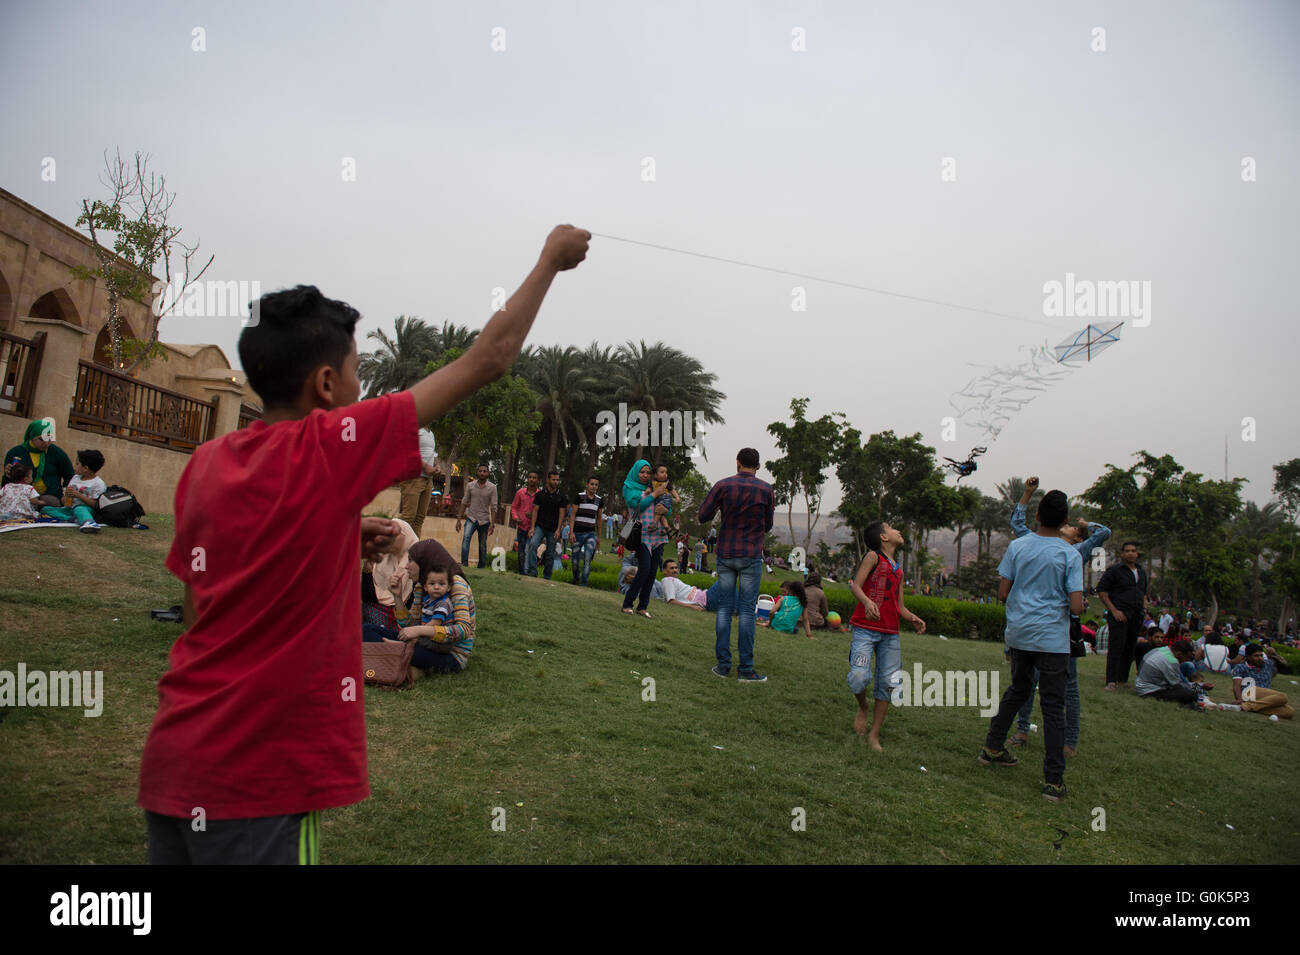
(878, 588)
(679, 592)
(1252, 682)
(261, 718)
(790, 610)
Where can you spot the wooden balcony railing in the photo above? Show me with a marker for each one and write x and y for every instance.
(248, 414)
(20, 364)
(113, 403)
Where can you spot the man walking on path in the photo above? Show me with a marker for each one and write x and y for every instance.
(1042, 584)
(747, 505)
(479, 505)
(521, 511)
(1123, 589)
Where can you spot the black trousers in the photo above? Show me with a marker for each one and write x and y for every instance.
(1123, 645)
(1177, 694)
(1053, 673)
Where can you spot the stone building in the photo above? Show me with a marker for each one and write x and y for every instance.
(55, 362)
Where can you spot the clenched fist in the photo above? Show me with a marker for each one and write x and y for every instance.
(565, 247)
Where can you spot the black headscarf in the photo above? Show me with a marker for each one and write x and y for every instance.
(429, 552)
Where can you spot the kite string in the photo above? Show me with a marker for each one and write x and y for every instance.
(819, 278)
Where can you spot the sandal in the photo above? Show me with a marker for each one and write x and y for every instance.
(628, 610)
(644, 613)
(1020, 739)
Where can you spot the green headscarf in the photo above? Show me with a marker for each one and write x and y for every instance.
(633, 489)
(41, 428)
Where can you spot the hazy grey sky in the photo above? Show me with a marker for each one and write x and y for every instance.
(1117, 165)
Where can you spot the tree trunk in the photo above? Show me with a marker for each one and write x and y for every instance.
(551, 443)
(1283, 614)
(1214, 609)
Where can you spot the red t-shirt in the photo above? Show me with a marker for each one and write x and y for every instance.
(883, 586)
(253, 714)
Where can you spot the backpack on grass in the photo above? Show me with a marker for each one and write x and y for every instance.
(118, 507)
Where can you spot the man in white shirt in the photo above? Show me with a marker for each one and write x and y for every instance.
(1166, 619)
(679, 592)
(417, 490)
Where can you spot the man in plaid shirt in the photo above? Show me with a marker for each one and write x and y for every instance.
(747, 508)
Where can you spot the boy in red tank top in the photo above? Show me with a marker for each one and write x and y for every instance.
(878, 587)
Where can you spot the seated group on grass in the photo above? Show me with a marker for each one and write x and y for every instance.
(1175, 672)
(40, 481)
(416, 593)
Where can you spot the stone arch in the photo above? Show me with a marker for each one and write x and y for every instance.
(56, 305)
(103, 353)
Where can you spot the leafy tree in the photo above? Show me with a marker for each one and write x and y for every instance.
(137, 215)
(496, 417)
(965, 510)
(808, 448)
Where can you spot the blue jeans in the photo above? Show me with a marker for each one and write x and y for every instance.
(548, 558)
(1071, 705)
(470, 528)
(888, 655)
(584, 549)
(521, 551)
(738, 580)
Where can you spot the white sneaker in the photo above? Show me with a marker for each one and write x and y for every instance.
(90, 527)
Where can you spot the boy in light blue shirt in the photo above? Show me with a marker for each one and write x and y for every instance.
(1042, 584)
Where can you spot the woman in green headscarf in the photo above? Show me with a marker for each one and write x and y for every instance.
(639, 495)
(51, 469)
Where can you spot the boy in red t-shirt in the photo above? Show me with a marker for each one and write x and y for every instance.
(260, 721)
(878, 587)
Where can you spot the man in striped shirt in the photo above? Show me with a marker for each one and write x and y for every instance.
(584, 518)
(747, 506)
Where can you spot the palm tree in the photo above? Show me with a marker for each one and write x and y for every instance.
(659, 377)
(1255, 525)
(561, 379)
(992, 514)
(399, 362)
(452, 335)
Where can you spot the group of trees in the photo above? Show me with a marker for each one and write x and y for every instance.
(544, 413)
(1200, 540)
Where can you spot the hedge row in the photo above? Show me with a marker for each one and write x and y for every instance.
(952, 618)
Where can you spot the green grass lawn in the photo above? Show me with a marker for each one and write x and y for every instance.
(549, 724)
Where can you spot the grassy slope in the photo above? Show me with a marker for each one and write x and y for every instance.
(606, 777)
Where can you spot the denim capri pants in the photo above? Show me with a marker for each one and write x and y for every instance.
(870, 647)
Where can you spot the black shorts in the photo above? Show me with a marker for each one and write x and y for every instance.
(270, 840)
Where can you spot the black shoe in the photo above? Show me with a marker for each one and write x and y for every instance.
(720, 670)
(1054, 792)
(1001, 758)
(753, 676)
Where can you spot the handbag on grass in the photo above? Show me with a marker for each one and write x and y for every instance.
(388, 664)
(630, 535)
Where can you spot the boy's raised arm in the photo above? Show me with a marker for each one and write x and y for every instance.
(499, 343)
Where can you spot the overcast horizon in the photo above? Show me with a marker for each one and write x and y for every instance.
(1127, 164)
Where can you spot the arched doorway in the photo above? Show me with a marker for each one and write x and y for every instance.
(6, 303)
(56, 306)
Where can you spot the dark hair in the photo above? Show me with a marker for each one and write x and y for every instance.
(19, 470)
(1213, 638)
(797, 591)
(1053, 509)
(91, 458)
(532, 471)
(297, 331)
(871, 534)
(1250, 648)
(590, 478)
(1182, 647)
(813, 579)
(747, 458)
(555, 471)
(1153, 629)
(1133, 544)
(484, 464)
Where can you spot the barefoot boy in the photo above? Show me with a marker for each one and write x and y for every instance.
(878, 587)
(260, 721)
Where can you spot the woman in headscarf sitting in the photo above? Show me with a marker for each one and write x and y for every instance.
(51, 469)
(388, 582)
(442, 644)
